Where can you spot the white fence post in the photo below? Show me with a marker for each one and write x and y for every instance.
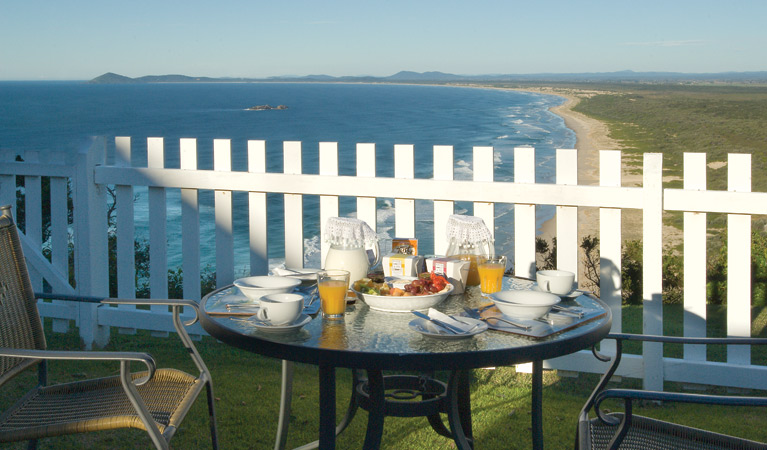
(294, 208)
(366, 167)
(190, 224)
(158, 231)
(91, 260)
(610, 241)
(483, 171)
(257, 227)
(567, 216)
(652, 268)
(33, 201)
(60, 232)
(694, 259)
(125, 231)
(222, 162)
(524, 215)
(739, 261)
(443, 170)
(404, 168)
(328, 203)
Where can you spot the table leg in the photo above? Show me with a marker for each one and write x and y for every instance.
(327, 375)
(377, 409)
(286, 394)
(459, 409)
(537, 405)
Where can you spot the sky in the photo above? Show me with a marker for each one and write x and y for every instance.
(82, 39)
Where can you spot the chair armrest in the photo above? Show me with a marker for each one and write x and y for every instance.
(176, 303)
(679, 397)
(67, 297)
(125, 301)
(687, 340)
(144, 358)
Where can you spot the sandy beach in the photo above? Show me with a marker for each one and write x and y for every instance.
(591, 136)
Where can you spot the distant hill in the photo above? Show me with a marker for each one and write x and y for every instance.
(624, 76)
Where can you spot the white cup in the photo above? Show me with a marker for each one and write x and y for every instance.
(281, 309)
(558, 282)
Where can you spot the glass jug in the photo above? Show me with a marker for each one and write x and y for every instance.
(353, 247)
(469, 239)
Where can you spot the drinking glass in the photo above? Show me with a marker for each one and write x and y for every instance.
(491, 272)
(333, 285)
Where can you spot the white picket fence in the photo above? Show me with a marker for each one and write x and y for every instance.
(89, 175)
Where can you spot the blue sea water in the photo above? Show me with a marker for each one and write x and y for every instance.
(49, 116)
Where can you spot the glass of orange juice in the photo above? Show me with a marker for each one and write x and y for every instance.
(491, 272)
(333, 285)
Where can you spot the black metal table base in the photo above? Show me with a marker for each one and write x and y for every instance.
(404, 396)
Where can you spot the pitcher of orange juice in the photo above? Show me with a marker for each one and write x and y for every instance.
(469, 239)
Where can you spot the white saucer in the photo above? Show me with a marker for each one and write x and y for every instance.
(575, 293)
(428, 328)
(267, 328)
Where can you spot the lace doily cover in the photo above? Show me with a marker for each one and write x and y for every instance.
(467, 230)
(347, 231)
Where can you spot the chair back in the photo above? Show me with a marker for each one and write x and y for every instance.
(20, 324)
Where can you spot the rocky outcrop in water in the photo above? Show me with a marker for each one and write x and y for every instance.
(266, 107)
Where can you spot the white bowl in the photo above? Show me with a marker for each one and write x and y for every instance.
(257, 286)
(391, 303)
(524, 304)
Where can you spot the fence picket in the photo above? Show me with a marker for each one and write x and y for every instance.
(695, 260)
(567, 216)
(404, 168)
(257, 229)
(443, 170)
(190, 224)
(739, 261)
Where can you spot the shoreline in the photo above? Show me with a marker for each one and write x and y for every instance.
(591, 136)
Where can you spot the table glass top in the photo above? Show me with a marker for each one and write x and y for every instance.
(366, 330)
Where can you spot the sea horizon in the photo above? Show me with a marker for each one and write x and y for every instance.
(45, 115)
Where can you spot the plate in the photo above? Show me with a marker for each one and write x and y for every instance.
(428, 328)
(308, 277)
(267, 328)
(246, 306)
(575, 293)
(390, 303)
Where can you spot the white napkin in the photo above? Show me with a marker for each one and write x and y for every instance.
(434, 314)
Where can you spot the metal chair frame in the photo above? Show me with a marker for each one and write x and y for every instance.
(17, 359)
(629, 431)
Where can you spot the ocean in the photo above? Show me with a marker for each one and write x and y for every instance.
(48, 116)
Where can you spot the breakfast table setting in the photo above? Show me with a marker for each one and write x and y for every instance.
(376, 340)
(420, 322)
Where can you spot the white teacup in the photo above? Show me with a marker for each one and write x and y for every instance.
(558, 282)
(281, 309)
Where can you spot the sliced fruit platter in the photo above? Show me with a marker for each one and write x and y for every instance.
(403, 294)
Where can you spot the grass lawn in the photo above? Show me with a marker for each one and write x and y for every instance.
(247, 391)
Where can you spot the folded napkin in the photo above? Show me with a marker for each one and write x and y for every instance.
(442, 317)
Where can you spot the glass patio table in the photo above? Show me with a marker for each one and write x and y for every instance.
(376, 341)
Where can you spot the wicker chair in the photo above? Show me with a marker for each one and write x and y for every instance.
(154, 400)
(629, 431)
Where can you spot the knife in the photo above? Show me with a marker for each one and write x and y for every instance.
(448, 327)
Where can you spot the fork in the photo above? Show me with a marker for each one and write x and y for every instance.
(475, 315)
